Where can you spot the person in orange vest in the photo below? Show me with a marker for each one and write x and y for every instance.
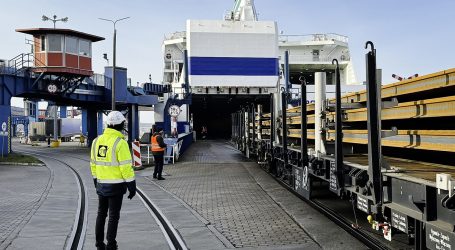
(158, 150)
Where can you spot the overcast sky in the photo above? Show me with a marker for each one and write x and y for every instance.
(411, 36)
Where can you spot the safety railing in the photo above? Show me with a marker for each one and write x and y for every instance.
(100, 80)
(18, 64)
(176, 35)
(316, 58)
(313, 38)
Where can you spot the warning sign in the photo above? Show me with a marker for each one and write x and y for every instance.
(438, 239)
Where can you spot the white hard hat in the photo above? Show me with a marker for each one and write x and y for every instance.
(115, 118)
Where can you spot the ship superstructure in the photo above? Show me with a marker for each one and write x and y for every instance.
(244, 56)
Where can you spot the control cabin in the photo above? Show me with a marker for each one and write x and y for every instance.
(62, 51)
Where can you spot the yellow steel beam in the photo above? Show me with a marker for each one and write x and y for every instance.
(416, 169)
(424, 83)
(439, 140)
(437, 107)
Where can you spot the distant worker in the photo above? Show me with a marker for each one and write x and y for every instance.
(204, 132)
(158, 150)
(174, 132)
(113, 174)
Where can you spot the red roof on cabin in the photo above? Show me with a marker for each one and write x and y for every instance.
(43, 31)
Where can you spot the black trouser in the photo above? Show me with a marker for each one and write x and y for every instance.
(113, 204)
(159, 161)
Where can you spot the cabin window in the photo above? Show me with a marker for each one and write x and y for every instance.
(43, 43)
(55, 43)
(71, 45)
(84, 48)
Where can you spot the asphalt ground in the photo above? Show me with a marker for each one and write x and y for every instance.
(214, 197)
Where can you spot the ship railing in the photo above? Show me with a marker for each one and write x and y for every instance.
(180, 91)
(176, 35)
(313, 38)
(320, 59)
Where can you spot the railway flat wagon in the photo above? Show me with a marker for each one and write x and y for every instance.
(383, 157)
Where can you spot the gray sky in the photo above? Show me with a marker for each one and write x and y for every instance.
(411, 36)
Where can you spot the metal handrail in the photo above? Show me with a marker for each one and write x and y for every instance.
(101, 80)
(314, 37)
(176, 35)
(19, 63)
(312, 58)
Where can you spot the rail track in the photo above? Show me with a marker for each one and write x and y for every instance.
(370, 241)
(173, 238)
(79, 229)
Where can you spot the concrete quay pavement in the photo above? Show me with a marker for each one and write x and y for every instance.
(50, 221)
(19, 199)
(246, 205)
(214, 197)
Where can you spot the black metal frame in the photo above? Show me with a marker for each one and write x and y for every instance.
(374, 128)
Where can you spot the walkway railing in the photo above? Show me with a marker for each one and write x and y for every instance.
(313, 58)
(313, 38)
(100, 80)
(18, 64)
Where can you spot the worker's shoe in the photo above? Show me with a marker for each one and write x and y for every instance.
(154, 176)
(112, 247)
(161, 178)
(101, 246)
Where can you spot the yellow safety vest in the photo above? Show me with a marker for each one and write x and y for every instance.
(111, 158)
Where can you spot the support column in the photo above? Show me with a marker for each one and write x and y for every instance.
(91, 125)
(100, 123)
(31, 109)
(63, 111)
(319, 103)
(26, 124)
(84, 122)
(133, 123)
(5, 130)
(55, 123)
(36, 111)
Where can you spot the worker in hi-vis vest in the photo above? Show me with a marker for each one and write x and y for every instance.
(113, 174)
(158, 150)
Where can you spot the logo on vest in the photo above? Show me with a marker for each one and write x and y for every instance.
(102, 151)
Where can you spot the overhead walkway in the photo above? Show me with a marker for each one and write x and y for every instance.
(92, 94)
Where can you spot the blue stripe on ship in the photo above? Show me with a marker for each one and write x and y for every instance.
(233, 66)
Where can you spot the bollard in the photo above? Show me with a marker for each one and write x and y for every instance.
(137, 162)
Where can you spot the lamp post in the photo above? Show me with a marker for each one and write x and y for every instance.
(114, 58)
(54, 19)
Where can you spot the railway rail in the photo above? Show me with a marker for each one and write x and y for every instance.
(173, 238)
(357, 232)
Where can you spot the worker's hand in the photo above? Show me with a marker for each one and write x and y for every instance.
(131, 188)
(94, 181)
(131, 195)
